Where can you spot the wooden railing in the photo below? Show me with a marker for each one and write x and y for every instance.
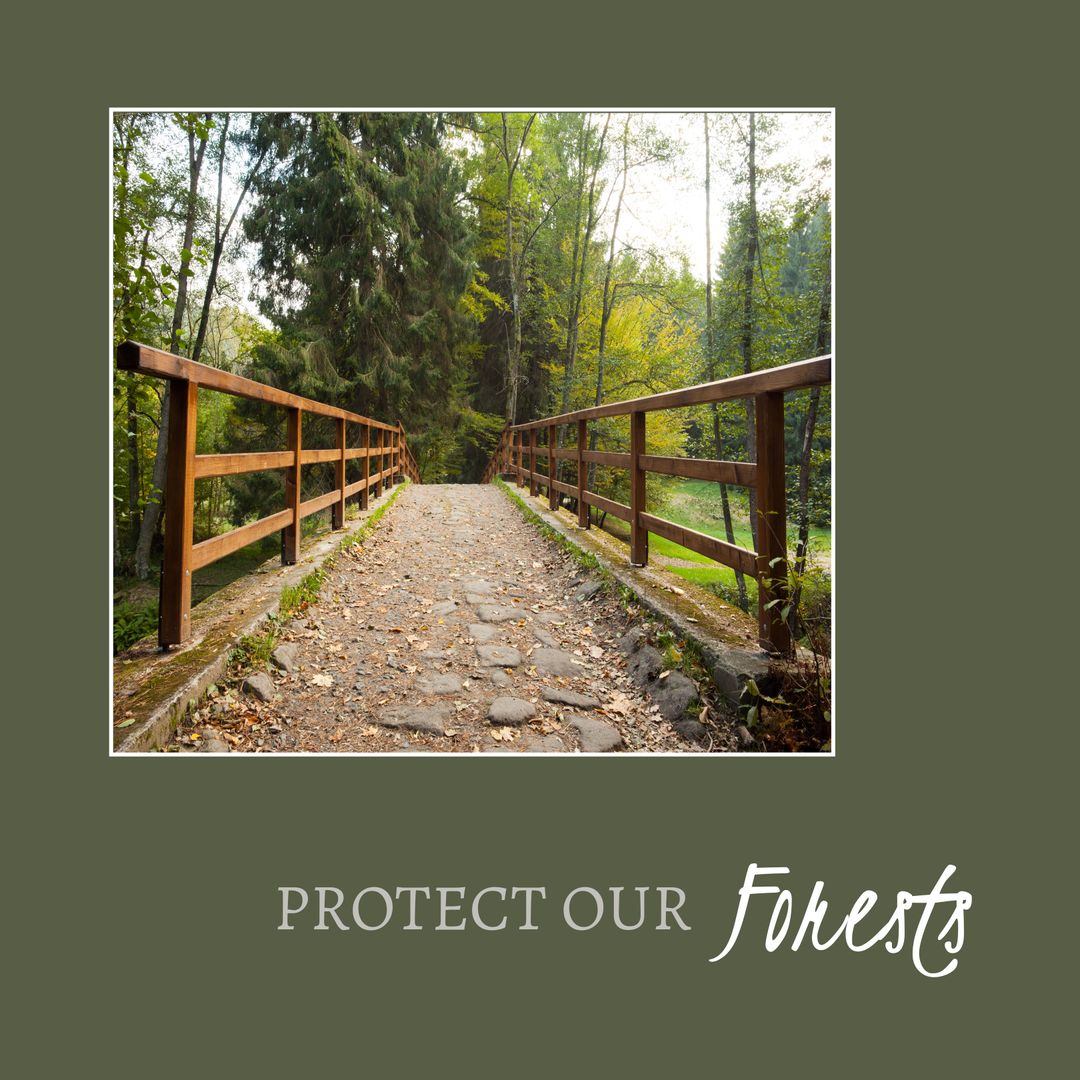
(383, 444)
(768, 564)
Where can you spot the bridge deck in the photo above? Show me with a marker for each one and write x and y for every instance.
(455, 628)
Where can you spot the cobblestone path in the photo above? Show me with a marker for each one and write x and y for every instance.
(455, 627)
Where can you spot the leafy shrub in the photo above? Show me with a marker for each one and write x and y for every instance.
(132, 622)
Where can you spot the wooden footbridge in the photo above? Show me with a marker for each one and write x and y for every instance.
(385, 459)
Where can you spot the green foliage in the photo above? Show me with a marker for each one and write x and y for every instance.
(133, 622)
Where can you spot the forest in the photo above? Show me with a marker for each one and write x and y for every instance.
(458, 271)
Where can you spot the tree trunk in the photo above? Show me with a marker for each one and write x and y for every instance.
(822, 342)
(153, 505)
(608, 302)
(134, 479)
(725, 503)
(747, 338)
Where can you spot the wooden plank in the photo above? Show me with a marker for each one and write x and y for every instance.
(583, 519)
(566, 489)
(131, 356)
(816, 371)
(567, 452)
(290, 535)
(315, 457)
(723, 472)
(217, 547)
(617, 509)
(174, 608)
(357, 452)
(320, 502)
(532, 462)
(729, 554)
(639, 535)
(772, 522)
(207, 465)
(364, 484)
(600, 457)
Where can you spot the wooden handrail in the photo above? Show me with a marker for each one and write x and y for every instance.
(769, 563)
(385, 444)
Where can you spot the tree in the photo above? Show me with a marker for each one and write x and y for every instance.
(710, 362)
(364, 255)
(197, 129)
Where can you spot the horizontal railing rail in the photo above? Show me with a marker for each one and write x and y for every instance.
(518, 444)
(385, 454)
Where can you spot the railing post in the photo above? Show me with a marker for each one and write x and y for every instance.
(583, 518)
(639, 535)
(174, 609)
(553, 495)
(521, 458)
(532, 462)
(338, 509)
(396, 464)
(772, 522)
(290, 535)
(367, 467)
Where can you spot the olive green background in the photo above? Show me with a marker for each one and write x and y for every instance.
(141, 893)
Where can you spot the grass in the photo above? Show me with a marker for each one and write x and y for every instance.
(696, 504)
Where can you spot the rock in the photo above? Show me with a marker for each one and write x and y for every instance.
(259, 685)
(508, 710)
(730, 669)
(499, 677)
(544, 638)
(435, 654)
(528, 744)
(492, 613)
(477, 585)
(542, 744)
(694, 730)
(555, 662)
(674, 694)
(212, 743)
(429, 718)
(284, 656)
(498, 655)
(568, 697)
(746, 740)
(444, 607)
(482, 631)
(632, 640)
(587, 590)
(552, 618)
(476, 599)
(596, 736)
(644, 665)
(439, 684)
